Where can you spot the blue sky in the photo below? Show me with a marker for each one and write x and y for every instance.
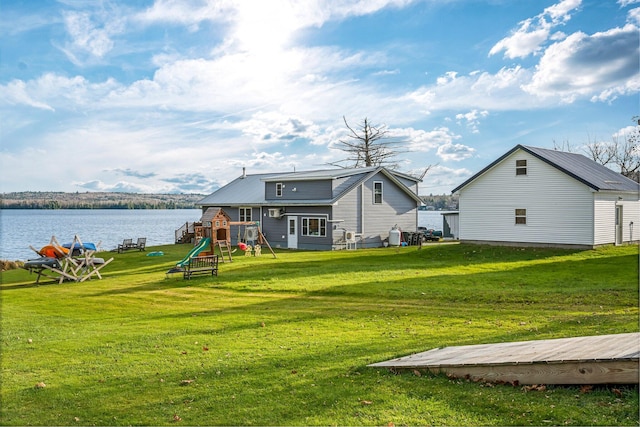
(180, 95)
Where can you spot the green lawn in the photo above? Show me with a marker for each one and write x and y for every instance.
(286, 341)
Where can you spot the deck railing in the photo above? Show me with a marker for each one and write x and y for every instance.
(185, 232)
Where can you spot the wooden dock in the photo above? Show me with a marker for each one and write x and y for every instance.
(604, 359)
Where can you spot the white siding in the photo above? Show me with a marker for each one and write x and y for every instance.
(347, 214)
(397, 208)
(559, 208)
(631, 214)
(356, 212)
(605, 225)
(605, 219)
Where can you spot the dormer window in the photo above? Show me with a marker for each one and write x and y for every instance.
(521, 167)
(279, 188)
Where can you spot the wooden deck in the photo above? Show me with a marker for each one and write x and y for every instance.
(604, 359)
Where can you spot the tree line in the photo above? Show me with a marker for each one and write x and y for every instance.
(94, 200)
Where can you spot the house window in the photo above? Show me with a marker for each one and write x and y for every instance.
(279, 188)
(521, 216)
(316, 227)
(377, 192)
(244, 214)
(521, 167)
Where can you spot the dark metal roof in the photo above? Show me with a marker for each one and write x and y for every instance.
(244, 190)
(577, 166)
(333, 174)
(249, 190)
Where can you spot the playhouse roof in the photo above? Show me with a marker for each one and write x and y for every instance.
(212, 212)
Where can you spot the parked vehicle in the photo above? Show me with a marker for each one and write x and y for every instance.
(429, 234)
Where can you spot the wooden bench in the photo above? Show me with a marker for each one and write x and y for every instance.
(201, 265)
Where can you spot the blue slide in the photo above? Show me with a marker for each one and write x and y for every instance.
(201, 246)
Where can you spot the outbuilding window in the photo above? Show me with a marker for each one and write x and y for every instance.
(521, 216)
(521, 167)
(377, 192)
(316, 227)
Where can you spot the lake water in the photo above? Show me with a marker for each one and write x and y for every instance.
(431, 219)
(20, 228)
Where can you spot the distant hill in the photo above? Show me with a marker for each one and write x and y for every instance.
(99, 200)
(96, 200)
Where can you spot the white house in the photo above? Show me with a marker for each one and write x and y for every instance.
(538, 197)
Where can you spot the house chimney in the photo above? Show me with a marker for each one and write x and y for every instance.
(244, 172)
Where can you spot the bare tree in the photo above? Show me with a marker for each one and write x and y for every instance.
(564, 146)
(601, 152)
(623, 151)
(368, 145)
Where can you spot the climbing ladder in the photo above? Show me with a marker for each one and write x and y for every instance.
(224, 250)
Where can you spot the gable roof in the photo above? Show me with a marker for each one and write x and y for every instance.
(577, 166)
(244, 190)
(250, 189)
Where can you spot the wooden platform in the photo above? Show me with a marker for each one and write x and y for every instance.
(604, 359)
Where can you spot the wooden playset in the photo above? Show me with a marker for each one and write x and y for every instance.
(215, 224)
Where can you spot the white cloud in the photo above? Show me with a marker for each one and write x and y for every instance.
(256, 26)
(601, 66)
(626, 132)
(91, 35)
(530, 36)
(419, 140)
(441, 179)
(472, 119)
(16, 92)
(478, 90)
(455, 152)
(53, 92)
(276, 128)
(232, 100)
(634, 16)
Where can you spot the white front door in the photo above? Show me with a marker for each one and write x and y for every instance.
(619, 224)
(292, 232)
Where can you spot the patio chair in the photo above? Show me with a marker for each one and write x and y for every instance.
(141, 243)
(126, 244)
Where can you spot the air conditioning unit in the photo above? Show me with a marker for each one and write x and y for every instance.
(276, 213)
(350, 236)
(251, 234)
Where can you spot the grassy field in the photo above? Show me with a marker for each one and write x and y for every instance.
(286, 341)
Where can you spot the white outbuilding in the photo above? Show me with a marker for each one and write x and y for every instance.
(539, 197)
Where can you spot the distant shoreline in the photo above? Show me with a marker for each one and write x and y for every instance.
(51, 200)
(6, 208)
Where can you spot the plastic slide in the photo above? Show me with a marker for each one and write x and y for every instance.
(204, 243)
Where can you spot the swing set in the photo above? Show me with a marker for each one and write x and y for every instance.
(252, 240)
